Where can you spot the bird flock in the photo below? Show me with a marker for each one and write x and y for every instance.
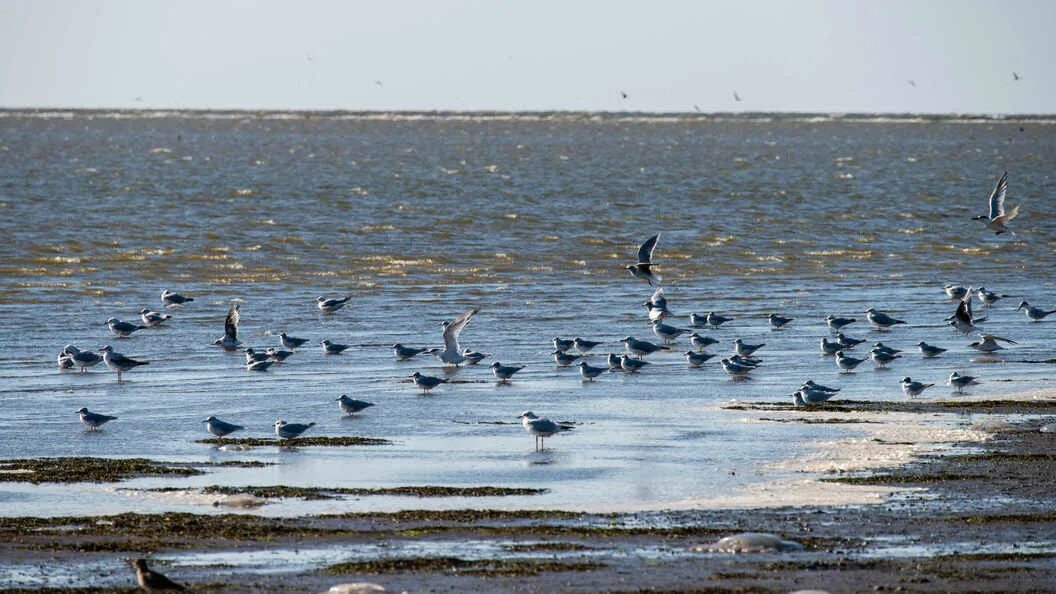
(577, 351)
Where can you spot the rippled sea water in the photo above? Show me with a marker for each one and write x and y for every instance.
(532, 220)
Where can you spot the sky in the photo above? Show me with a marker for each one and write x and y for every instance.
(666, 55)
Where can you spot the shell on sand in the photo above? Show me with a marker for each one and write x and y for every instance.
(750, 542)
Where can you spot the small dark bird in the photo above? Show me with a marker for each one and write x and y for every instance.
(623, 95)
(645, 260)
(152, 581)
(696, 108)
(736, 97)
(1015, 75)
(912, 83)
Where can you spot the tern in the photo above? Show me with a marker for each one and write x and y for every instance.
(698, 320)
(930, 351)
(1034, 314)
(170, 299)
(701, 342)
(667, 333)
(848, 342)
(696, 359)
(811, 385)
(220, 428)
(645, 260)
(584, 346)
(563, 359)
(541, 428)
(291, 430)
(427, 382)
(777, 321)
(988, 298)
(734, 369)
(960, 382)
(82, 359)
(291, 342)
(589, 372)
(153, 319)
(403, 353)
(829, 347)
(122, 329)
(118, 362)
(642, 348)
(93, 420)
(474, 357)
(882, 358)
(351, 406)
(332, 348)
(503, 373)
(631, 365)
(278, 356)
(837, 323)
(613, 360)
(808, 397)
(252, 356)
(883, 347)
(955, 291)
(561, 344)
(716, 320)
(881, 320)
(452, 353)
(847, 363)
(912, 388)
(988, 343)
(230, 340)
(998, 217)
(746, 350)
(259, 365)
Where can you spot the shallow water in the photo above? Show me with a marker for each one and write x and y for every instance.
(530, 219)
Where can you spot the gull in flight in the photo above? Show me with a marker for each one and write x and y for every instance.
(645, 260)
(998, 217)
(230, 341)
(453, 353)
(962, 319)
(541, 428)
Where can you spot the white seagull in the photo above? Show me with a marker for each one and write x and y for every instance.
(230, 341)
(998, 217)
(452, 353)
(541, 428)
(645, 260)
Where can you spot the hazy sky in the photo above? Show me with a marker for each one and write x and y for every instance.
(837, 55)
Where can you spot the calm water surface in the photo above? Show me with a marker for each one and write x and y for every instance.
(532, 220)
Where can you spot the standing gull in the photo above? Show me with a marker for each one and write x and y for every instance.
(541, 428)
(332, 348)
(170, 299)
(929, 350)
(403, 353)
(426, 382)
(118, 362)
(503, 373)
(988, 343)
(777, 321)
(230, 341)
(959, 382)
(291, 342)
(351, 406)
(645, 260)
(93, 420)
(83, 359)
(153, 319)
(291, 430)
(326, 305)
(452, 353)
(220, 428)
(997, 218)
(912, 388)
(1034, 314)
(122, 329)
(881, 320)
(589, 372)
(836, 323)
(988, 298)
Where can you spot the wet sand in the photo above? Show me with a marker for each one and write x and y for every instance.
(980, 519)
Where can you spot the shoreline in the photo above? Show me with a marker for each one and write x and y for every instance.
(967, 520)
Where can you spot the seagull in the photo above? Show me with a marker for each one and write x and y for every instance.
(701, 342)
(988, 344)
(561, 344)
(837, 323)
(403, 353)
(734, 369)
(473, 357)
(291, 430)
(541, 428)
(746, 350)
(736, 97)
(847, 363)
(278, 356)
(1034, 314)
(696, 359)
(848, 342)
(82, 359)
(584, 346)
(118, 362)
(152, 318)
(170, 299)
(631, 365)
(716, 320)
(960, 382)
(997, 218)
(777, 322)
(642, 348)
(332, 348)
(259, 365)
(623, 95)
(912, 83)
(830, 347)
(912, 388)
(503, 373)
(818, 387)
(330, 305)
(881, 320)
(230, 340)
(1016, 76)
(252, 356)
(805, 398)
(955, 291)
(427, 382)
(220, 428)
(930, 351)
(291, 342)
(745, 361)
(962, 319)
(665, 332)
(698, 320)
(614, 362)
(564, 359)
(122, 329)
(988, 298)
(152, 581)
(65, 360)
(589, 372)
(452, 353)
(657, 305)
(351, 406)
(882, 358)
(645, 259)
(93, 420)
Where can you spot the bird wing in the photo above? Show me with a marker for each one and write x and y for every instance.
(992, 337)
(231, 323)
(658, 298)
(1011, 214)
(997, 197)
(962, 314)
(452, 330)
(645, 253)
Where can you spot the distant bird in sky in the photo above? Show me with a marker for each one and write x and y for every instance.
(736, 97)
(645, 260)
(623, 95)
(308, 57)
(997, 218)
(696, 108)
(1016, 76)
(378, 83)
(912, 83)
